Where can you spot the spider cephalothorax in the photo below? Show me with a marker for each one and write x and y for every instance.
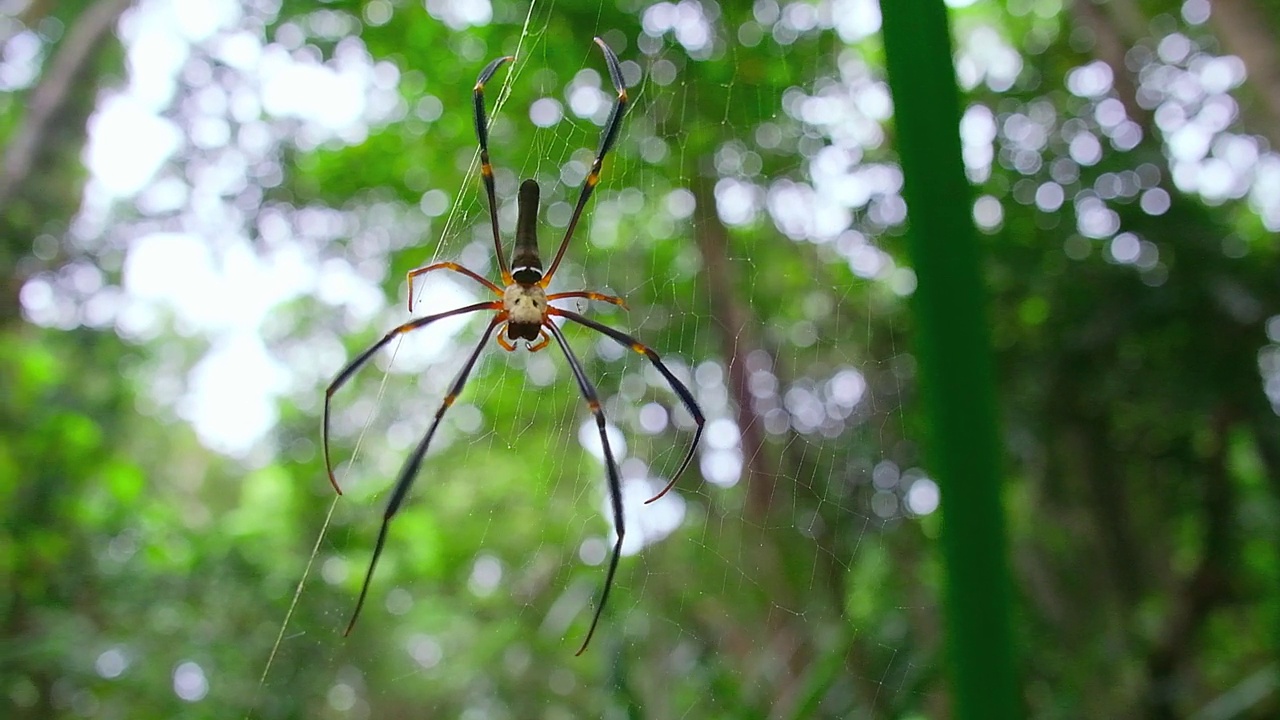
(525, 308)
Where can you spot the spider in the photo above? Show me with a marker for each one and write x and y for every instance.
(524, 311)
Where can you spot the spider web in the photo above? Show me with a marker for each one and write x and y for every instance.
(282, 165)
(797, 526)
(761, 269)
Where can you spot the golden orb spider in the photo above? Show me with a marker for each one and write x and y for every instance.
(525, 311)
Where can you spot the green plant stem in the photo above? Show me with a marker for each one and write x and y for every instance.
(955, 367)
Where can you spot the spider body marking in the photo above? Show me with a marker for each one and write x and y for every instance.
(523, 311)
(526, 308)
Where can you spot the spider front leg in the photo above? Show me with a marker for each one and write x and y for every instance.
(486, 169)
(607, 139)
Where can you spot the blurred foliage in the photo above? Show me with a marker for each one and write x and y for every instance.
(1135, 333)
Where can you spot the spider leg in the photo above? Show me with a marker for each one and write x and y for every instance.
(486, 170)
(449, 266)
(543, 341)
(345, 374)
(505, 343)
(410, 470)
(686, 397)
(615, 484)
(612, 299)
(606, 143)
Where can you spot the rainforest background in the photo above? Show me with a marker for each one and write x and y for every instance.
(207, 209)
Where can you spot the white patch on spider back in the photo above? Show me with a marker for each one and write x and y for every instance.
(524, 304)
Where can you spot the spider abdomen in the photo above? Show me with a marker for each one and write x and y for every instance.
(526, 307)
